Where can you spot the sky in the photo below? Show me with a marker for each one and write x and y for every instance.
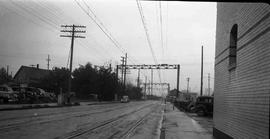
(30, 31)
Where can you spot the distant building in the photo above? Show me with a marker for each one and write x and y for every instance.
(242, 71)
(30, 75)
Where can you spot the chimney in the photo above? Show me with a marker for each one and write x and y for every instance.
(37, 66)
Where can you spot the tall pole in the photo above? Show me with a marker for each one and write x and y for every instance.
(178, 76)
(187, 84)
(116, 72)
(201, 93)
(151, 81)
(72, 31)
(145, 86)
(168, 89)
(71, 59)
(209, 84)
(138, 80)
(48, 62)
(110, 67)
(122, 69)
(125, 72)
(7, 71)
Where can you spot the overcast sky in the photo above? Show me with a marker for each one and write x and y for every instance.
(29, 31)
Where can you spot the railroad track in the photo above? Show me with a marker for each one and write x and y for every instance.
(106, 123)
(47, 114)
(126, 134)
(38, 120)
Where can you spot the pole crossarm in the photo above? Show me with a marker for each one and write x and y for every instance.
(158, 66)
(71, 36)
(161, 84)
(76, 31)
(76, 26)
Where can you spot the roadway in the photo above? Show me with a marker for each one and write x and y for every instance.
(139, 119)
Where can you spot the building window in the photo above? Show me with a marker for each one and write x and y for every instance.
(233, 47)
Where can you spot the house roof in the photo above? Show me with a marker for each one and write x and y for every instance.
(32, 72)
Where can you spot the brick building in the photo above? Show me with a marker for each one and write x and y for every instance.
(242, 71)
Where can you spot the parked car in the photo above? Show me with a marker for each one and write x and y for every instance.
(44, 96)
(204, 105)
(124, 99)
(7, 95)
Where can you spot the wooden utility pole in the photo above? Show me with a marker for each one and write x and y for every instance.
(122, 69)
(117, 72)
(73, 35)
(178, 76)
(201, 93)
(7, 71)
(209, 84)
(138, 80)
(48, 62)
(145, 87)
(125, 72)
(188, 84)
(151, 81)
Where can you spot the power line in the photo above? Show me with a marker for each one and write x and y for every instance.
(102, 27)
(146, 31)
(48, 20)
(147, 35)
(161, 27)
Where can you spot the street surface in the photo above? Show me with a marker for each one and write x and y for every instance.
(178, 124)
(141, 119)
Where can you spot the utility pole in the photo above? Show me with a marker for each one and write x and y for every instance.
(187, 84)
(117, 72)
(73, 35)
(178, 76)
(110, 67)
(151, 82)
(125, 72)
(145, 86)
(48, 62)
(138, 81)
(209, 84)
(168, 89)
(122, 68)
(7, 70)
(201, 93)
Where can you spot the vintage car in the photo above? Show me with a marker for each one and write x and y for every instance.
(7, 95)
(124, 99)
(204, 105)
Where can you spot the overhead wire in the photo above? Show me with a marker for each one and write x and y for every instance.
(103, 28)
(49, 20)
(147, 35)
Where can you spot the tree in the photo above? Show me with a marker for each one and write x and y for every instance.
(108, 84)
(4, 77)
(85, 81)
(58, 78)
(88, 80)
(134, 92)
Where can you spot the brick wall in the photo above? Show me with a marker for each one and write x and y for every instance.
(241, 96)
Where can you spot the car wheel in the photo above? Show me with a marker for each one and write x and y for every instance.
(200, 112)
